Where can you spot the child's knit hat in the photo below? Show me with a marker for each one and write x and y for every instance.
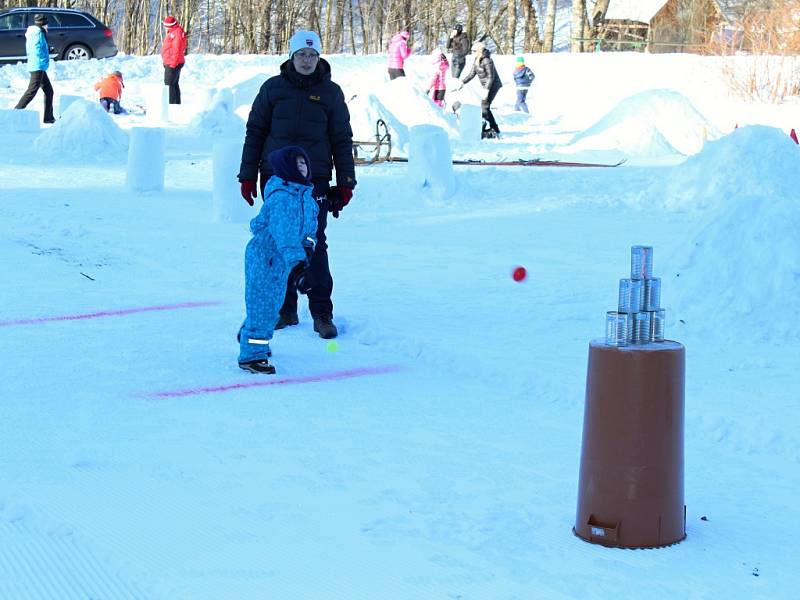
(304, 39)
(520, 60)
(284, 164)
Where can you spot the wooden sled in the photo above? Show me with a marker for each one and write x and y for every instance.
(376, 150)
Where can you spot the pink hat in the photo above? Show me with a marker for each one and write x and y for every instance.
(170, 21)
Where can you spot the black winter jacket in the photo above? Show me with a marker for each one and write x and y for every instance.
(306, 111)
(487, 74)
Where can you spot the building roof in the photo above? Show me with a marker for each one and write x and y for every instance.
(642, 11)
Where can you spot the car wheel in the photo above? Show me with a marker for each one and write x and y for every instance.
(78, 52)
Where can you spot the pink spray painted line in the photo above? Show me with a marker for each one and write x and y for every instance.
(108, 313)
(322, 377)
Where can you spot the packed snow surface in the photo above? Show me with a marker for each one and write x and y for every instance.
(433, 450)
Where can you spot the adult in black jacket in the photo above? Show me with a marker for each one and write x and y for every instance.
(303, 107)
(458, 44)
(484, 68)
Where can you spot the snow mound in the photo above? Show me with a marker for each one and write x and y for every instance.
(753, 161)
(739, 275)
(244, 83)
(84, 131)
(401, 106)
(649, 124)
(219, 119)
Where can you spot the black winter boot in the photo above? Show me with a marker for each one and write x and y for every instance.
(258, 366)
(323, 325)
(287, 320)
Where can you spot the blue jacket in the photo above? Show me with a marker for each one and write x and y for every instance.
(37, 49)
(287, 218)
(523, 77)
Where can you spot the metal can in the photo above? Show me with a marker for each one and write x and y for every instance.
(630, 296)
(618, 328)
(657, 320)
(651, 294)
(641, 328)
(641, 262)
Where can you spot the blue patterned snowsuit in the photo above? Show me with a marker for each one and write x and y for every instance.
(287, 218)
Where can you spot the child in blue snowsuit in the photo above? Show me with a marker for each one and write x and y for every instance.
(284, 236)
(523, 77)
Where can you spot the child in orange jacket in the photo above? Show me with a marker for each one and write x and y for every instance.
(110, 90)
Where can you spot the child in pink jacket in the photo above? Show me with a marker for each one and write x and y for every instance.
(438, 83)
(398, 53)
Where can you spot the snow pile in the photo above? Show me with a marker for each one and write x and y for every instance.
(739, 275)
(649, 124)
(244, 83)
(219, 119)
(756, 161)
(85, 130)
(401, 106)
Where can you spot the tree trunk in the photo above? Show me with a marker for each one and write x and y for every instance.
(549, 25)
(576, 31)
(511, 27)
(532, 41)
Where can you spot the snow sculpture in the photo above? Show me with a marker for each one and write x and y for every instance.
(470, 122)
(227, 201)
(430, 161)
(156, 100)
(19, 121)
(146, 160)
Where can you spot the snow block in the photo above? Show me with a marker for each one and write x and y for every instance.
(226, 198)
(19, 121)
(64, 102)
(430, 161)
(156, 101)
(218, 117)
(470, 123)
(146, 160)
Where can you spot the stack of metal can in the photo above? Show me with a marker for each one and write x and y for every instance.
(639, 318)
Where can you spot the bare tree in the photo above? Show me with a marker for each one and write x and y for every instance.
(578, 20)
(549, 26)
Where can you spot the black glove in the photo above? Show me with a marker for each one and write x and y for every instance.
(338, 198)
(302, 280)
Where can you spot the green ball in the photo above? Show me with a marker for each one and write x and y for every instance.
(333, 346)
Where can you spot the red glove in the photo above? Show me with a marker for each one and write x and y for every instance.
(338, 198)
(249, 190)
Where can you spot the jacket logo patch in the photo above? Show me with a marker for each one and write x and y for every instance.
(314, 98)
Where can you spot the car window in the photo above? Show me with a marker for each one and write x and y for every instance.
(12, 21)
(70, 20)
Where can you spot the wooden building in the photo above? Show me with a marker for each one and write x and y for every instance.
(659, 25)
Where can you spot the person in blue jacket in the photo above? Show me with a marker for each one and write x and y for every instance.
(523, 77)
(283, 242)
(38, 50)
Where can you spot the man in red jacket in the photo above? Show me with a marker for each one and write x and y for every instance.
(173, 51)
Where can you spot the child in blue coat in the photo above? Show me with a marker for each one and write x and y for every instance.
(284, 236)
(523, 77)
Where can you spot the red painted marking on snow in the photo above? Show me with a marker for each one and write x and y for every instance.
(108, 313)
(334, 376)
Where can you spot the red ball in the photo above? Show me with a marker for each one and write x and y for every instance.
(519, 274)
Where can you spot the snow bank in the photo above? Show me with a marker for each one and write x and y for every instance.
(739, 274)
(219, 119)
(649, 124)
(754, 161)
(84, 131)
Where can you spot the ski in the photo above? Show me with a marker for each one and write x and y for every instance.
(535, 162)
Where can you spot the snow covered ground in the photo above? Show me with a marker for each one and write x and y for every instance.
(433, 452)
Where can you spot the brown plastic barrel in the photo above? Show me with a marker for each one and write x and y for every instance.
(630, 491)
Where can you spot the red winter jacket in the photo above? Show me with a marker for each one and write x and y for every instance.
(173, 50)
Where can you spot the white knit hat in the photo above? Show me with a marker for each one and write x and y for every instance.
(304, 39)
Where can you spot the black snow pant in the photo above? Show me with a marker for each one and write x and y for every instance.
(39, 79)
(395, 73)
(171, 77)
(486, 110)
(319, 298)
(457, 65)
